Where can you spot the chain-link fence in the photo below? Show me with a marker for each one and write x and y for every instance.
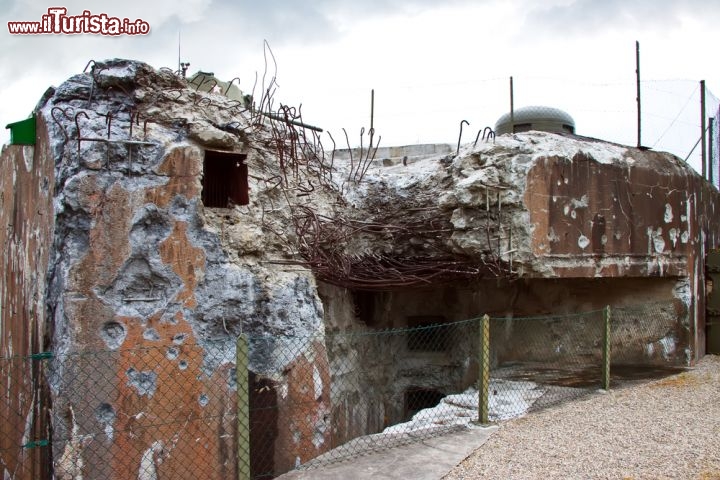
(533, 362)
(713, 151)
(270, 404)
(342, 395)
(146, 413)
(646, 338)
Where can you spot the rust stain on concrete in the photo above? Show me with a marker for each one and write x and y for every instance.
(108, 246)
(647, 217)
(305, 409)
(165, 399)
(187, 261)
(183, 166)
(582, 207)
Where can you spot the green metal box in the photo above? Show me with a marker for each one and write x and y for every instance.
(22, 132)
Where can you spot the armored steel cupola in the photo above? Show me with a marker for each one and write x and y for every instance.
(545, 119)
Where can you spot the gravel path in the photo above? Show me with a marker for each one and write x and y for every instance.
(667, 428)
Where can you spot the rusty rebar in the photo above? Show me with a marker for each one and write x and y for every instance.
(77, 127)
(347, 140)
(227, 89)
(179, 91)
(206, 81)
(322, 243)
(88, 64)
(489, 133)
(460, 136)
(477, 137)
(65, 114)
(108, 121)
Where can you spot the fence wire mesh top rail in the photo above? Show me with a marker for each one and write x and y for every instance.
(269, 404)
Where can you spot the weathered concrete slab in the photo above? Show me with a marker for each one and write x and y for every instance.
(427, 460)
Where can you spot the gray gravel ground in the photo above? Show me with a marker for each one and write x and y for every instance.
(668, 428)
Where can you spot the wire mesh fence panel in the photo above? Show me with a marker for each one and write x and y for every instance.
(344, 395)
(648, 335)
(714, 147)
(23, 425)
(264, 405)
(167, 411)
(540, 361)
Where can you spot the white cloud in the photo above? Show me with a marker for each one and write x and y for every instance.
(430, 64)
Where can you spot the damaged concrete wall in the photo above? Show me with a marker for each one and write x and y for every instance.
(571, 224)
(649, 215)
(142, 269)
(577, 224)
(541, 205)
(26, 220)
(372, 373)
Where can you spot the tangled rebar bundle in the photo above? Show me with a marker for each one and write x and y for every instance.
(410, 250)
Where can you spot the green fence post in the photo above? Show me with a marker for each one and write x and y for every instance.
(606, 349)
(243, 409)
(484, 370)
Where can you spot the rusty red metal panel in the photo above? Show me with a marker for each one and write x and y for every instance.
(26, 217)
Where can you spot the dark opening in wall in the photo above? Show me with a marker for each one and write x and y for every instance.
(263, 426)
(364, 305)
(522, 127)
(225, 179)
(418, 398)
(426, 338)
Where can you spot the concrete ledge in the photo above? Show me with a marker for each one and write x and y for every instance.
(429, 459)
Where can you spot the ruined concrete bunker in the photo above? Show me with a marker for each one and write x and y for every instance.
(157, 222)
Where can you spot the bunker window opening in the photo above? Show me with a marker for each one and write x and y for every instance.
(225, 179)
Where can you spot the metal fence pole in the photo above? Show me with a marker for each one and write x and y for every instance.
(484, 370)
(243, 409)
(606, 349)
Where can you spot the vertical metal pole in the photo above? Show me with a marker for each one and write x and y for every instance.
(512, 106)
(372, 117)
(703, 149)
(716, 138)
(243, 409)
(606, 350)
(637, 77)
(372, 108)
(484, 371)
(711, 121)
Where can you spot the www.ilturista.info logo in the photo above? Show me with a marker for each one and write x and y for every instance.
(57, 21)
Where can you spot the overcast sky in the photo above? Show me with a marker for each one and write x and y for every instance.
(432, 64)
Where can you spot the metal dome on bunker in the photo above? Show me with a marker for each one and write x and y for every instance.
(540, 118)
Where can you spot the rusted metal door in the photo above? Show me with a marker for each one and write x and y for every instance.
(712, 319)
